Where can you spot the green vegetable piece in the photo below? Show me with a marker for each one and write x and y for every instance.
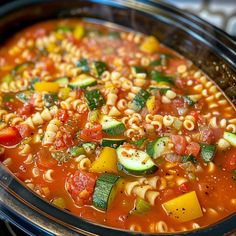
(158, 77)
(155, 63)
(189, 158)
(64, 29)
(100, 67)
(231, 138)
(112, 126)
(33, 82)
(83, 64)
(50, 99)
(89, 147)
(63, 81)
(24, 96)
(8, 97)
(234, 175)
(141, 206)
(76, 150)
(20, 68)
(7, 78)
(207, 152)
(94, 99)
(139, 142)
(189, 101)
(138, 69)
(140, 99)
(114, 35)
(161, 90)
(114, 143)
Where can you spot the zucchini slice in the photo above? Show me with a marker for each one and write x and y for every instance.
(162, 90)
(191, 99)
(50, 99)
(139, 142)
(100, 67)
(76, 151)
(94, 99)
(138, 69)
(105, 190)
(83, 65)
(231, 138)
(140, 99)
(83, 81)
(189, 158)
(112, 126)
(135, 161)
(159, 77)
(63, 81)
(207, 152)
(112, 142)
(158, 147)
(24, 96)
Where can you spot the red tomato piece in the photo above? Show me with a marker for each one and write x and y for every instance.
(9, 136)
(81, 186)
(208, 136)
(24, 130)
(195, 114)
(63, 115)
(183, 188)
(93, 134)
(230, 160)
(26, 110)
(179, 144)
(44, 159)
(192, 148)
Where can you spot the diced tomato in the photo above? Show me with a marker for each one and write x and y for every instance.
(218, 133)
(9, 136)
(230, 160)
(81, 186)
(26, 110)
(66, 140)
(192, 148)
(179, 144)
(63, 115)
(180, 83)
(195, 114)
(93, 134)
(24, 130)
(183, 188)
(48, 64)
(178, 102)
(207, 135)
(79, 93)
(44, 159)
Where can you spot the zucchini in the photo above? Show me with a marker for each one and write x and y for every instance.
(234, 175)
(112, 126)
(114, 143)
(159, 77)
(50, 99)
(83, 81)
(105, 190)
(63, 29)
(89, 147)
(63, 81)
(7, 78)
(162, 61)
(33, 82)
(8, 97)
(189, 158)
(162, 90)
(191, 99)
(100, 67)
(83, 65)
(231, 138)
(141, 206)
(94, 99)
(140, 100)
(158, 147)
(76, 150)
(139, 142)
(135, 161)
(24, 96)
(207, 152)
(138, 69)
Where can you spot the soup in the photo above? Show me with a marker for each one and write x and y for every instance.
(116, 128)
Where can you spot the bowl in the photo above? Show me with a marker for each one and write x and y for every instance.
(207, 47)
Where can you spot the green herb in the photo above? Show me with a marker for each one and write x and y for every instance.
(60, 156)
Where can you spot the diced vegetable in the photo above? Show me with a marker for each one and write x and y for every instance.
(159, 77)
(231, 138)
(50, 99)
(24, 96)
(114, 35)
(234, 175)
(33, 82)
(94, 99)
(105, 191)
(162, 61)
(52, 87)
(8, 97)
(64, 29)
(7, 78)
(63, 81)
(93, 134)
(138, 69)
(159, 147)
(89, 147)
(100, 67)
(76, 150)
(207, 152)
(191, 99)
(83, 64)
(9, 136)
(135, 161)
(59, 202)
(64, 93)
(114, 143)
(162, 90)
(141, 206)
(106, 162)
(112, 126)
(79, 32)
(150, 104)
(150, 45)
(94, 116)
(83, 81)
(140, 100)
(20, 68)
(190, 158)
(139, 142)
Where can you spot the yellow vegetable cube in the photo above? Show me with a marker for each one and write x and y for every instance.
(150, 103)
(59, 202)
(107, 161)
(78, 32)
(64, 93)
(44, 86)
(150, 45)
(184, 208)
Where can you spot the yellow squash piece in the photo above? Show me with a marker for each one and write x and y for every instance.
(59, 202)
(150, 103)
(78, 32)
(106, 162)
(150, 45)
(44, 86)
(184, 208)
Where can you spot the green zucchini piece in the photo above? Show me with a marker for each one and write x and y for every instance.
(50, 99)
(189, 158)
(7, 78)
(83, 64)
(114, 35)
(141, 206)
(76, 150)
(20, 68)
(135, 161)
(94, 99)
(234, 175)
(33, 82)
(105, 190)
(112, 142)
(140, 99)
(160, 89)
(207, 152)
(83, 81)
(139, 142)
(89, 147)
(64, 29)
(100, 67)
(231, 138)
(138, 69)
(112, 126)
(159, 77)
(158, 147)
(24, 96)
(63, 81)
(8, 97)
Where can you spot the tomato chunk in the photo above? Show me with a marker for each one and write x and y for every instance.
(179, 144)
(192, 148)
(230, 160)
(81, 186)
(9, 136)
(208, 136)
(93, 134)
(24, 130)
(44, 159)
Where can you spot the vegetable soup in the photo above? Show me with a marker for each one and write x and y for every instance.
(116, 128)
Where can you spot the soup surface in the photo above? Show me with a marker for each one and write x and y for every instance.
(116, 128)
